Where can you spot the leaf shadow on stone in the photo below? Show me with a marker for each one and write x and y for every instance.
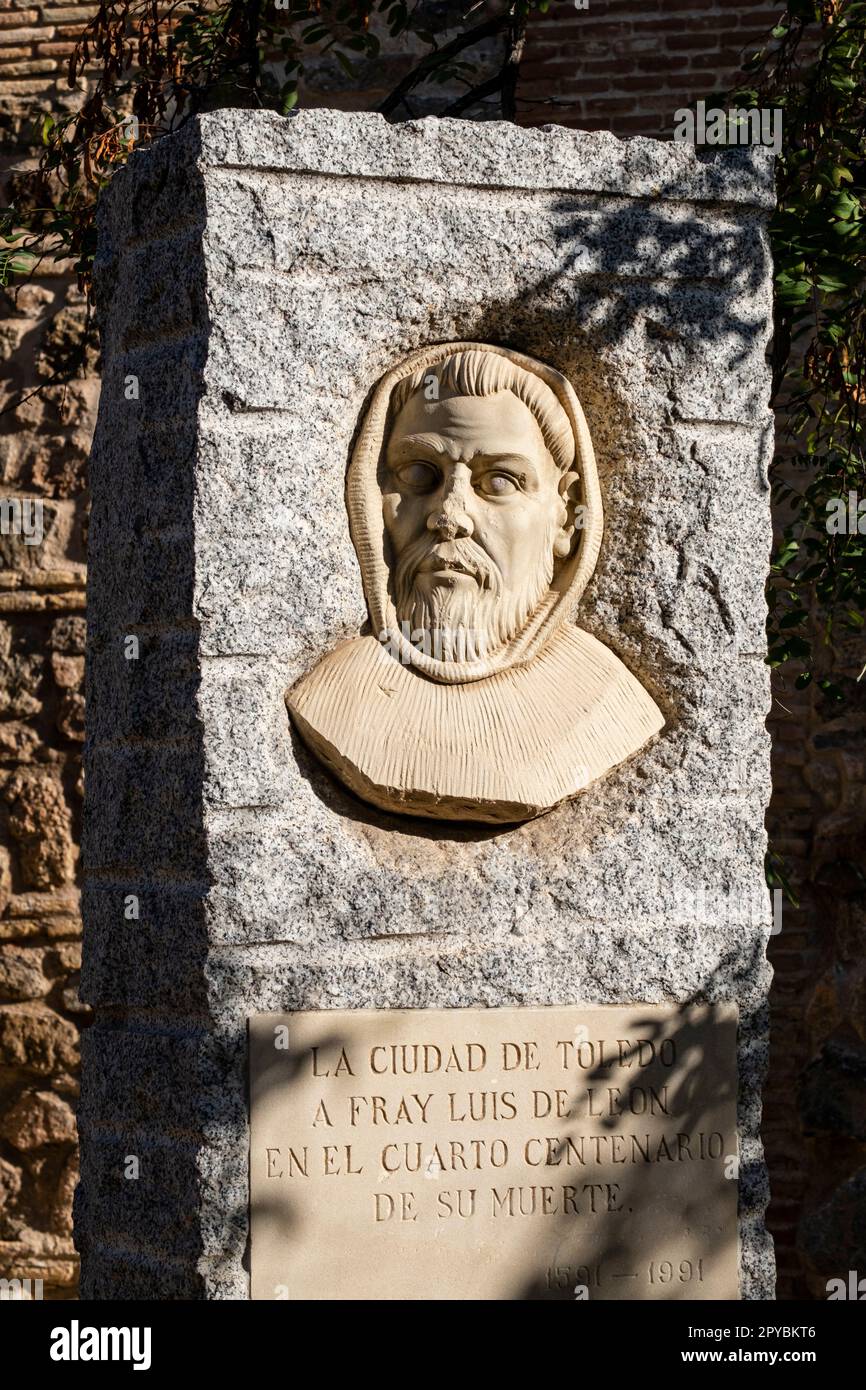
(578, 320)
(278, 1212)
(597, 1250)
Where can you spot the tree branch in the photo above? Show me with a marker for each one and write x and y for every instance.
(435, 60)
(511, 70)
(484, 89)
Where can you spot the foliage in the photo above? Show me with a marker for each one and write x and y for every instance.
(154, 64)
(814, 70)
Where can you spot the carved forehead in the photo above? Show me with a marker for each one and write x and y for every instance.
(481, 373)
(462, 426)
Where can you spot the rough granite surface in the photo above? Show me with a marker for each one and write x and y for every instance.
(257, 276)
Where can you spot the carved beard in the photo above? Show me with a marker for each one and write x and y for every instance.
(460, 624)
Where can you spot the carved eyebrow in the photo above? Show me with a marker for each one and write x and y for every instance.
(499, 460)
(411, 443)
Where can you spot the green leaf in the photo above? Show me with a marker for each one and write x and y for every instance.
(832, 690)
(794, 619)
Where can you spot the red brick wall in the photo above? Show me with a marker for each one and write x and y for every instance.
(35, 44)
(627, 65)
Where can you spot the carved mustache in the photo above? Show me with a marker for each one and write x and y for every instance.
(463, 554)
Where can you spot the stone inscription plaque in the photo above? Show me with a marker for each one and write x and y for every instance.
(504, 1153)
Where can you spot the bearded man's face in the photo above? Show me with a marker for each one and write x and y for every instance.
(472, 508)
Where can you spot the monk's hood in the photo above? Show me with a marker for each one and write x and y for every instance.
(366, 522)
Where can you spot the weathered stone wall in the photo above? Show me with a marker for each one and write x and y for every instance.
(44, 442)
(43, 448)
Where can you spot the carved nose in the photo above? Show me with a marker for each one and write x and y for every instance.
(450, 524)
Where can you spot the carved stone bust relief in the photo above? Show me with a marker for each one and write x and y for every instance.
(475, 512)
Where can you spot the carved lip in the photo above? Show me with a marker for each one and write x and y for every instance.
(436, 564)
(446, 558)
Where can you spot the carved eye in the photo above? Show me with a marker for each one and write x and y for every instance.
(497, 484)
(419, 476)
